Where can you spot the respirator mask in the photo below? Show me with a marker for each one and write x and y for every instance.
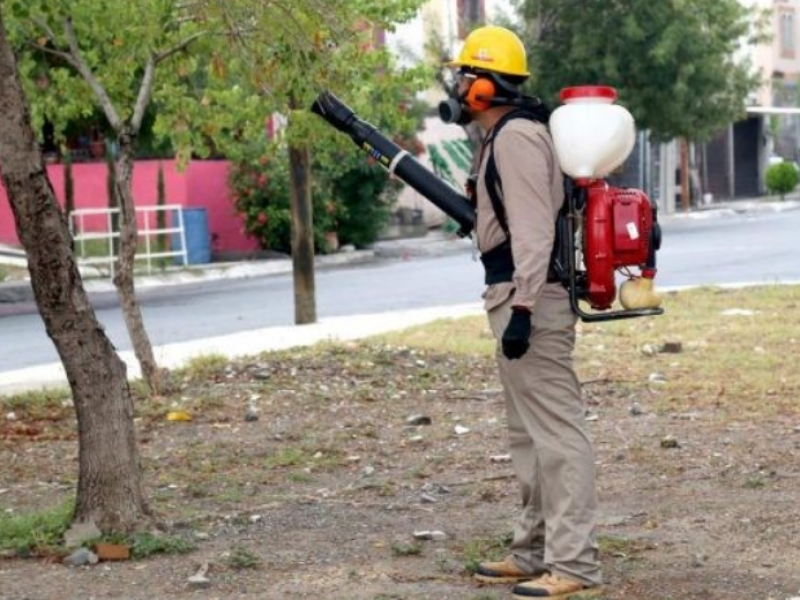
(457, 109)
(453, 110)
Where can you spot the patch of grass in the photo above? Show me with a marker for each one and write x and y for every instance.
(754, 483)
(231, 494)
(470, 335)
(8, 272)
(241, 558)
(287, 457)
(36, 533)
(205, 367)
(406, 549)
(148, 544)
(729, 363)
(38, 404)
(478, 550)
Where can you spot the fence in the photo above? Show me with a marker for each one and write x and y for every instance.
(96, 235)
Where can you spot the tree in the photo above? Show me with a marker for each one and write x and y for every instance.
(294, 53)
(109, 483)
(673, 62)
(94, 47)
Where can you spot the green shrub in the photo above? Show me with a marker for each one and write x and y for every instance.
(782, 178)
(261, 191)
(35, 533)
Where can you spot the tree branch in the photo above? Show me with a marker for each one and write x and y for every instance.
(62, 55)
(143, 99)
(162, 56)
(86, 72)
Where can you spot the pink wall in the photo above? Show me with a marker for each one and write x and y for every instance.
(201, 184)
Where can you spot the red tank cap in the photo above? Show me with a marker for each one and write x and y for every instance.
(588, 91)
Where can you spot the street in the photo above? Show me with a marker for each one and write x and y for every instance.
(723, 249)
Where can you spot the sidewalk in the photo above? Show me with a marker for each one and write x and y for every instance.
(249, 343)
(435, 243)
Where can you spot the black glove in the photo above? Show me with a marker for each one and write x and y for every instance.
(516, 336)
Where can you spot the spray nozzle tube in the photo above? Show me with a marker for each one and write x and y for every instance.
(396, 160)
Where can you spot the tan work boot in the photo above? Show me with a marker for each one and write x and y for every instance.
(552, 586)
(504, 571)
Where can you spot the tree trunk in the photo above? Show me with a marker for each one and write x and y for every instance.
(685, 193)
(305, 310)
(123, 274)
(109, 483)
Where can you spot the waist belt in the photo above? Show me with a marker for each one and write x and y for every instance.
(499, 265)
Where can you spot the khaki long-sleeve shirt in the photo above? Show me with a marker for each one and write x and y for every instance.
(533, 193)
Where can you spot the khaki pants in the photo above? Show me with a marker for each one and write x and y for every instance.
(551, 453)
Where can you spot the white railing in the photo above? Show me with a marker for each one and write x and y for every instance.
(147, 233)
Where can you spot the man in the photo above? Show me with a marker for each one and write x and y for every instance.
(554, 551)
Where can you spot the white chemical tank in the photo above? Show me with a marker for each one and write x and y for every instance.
(592, 135)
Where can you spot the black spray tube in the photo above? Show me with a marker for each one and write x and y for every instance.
(396, 160)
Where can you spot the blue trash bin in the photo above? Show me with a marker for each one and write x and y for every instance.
(198, 238)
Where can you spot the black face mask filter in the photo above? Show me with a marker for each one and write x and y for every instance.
(453, 110)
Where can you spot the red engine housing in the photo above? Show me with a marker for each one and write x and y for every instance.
(617, 233)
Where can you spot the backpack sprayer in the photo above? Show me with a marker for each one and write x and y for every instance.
(600, 230)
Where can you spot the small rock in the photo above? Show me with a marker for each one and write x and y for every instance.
(81, 557)
(419, 420)
(669, 442)
(592, 417)
(416, 439)
(255, 518)
(738, 312)
(436, 536)
(461, 430)
(201, 535)
(650, 349)
(620, 456)
(81, 532)
(635, 409)
(657, 378)
(500, 458)
(262, 375)
(698, 560)
(200, 580)
(427, 499)
(251, 415)
(12, 416)
(368, 470)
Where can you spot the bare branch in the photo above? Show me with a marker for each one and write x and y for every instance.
(86, 72)
(47, 29)
(161, 56)
(62, 55)
(143, 98)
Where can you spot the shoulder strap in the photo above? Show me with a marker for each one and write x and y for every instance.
(494, 185)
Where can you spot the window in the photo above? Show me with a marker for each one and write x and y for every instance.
(786, 28)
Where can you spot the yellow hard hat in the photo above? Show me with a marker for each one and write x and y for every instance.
(495, 49)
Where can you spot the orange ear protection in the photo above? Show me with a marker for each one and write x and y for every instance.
(484, 88)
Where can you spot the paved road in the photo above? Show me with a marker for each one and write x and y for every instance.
(723, 249)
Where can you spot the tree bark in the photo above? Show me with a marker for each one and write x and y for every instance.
(685, 193)
(305, 310)
(109, 483)
(123, 274)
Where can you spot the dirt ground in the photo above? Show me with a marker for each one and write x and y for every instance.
(700, 498)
